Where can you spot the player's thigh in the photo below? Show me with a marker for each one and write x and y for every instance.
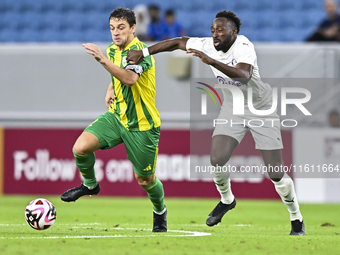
(266, 134)
(107, 129)
(142, 150)
(273, 161)
(86, 143)
(222, 146)
(226, 136)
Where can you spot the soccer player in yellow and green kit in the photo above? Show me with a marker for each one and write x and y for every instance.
(132, 117)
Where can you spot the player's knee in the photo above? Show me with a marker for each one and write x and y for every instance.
(144, 181)
(86, 144)
(218, 159)
(275, 169)
(81, 148)
(276, 175)
(77, 149)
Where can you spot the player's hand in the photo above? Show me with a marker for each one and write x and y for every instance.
(110, 96)
(331, 31)
(134, 56)
(94, 50)
(109, 100)
(205, 59)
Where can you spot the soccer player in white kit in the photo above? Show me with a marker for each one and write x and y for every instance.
(233, 60)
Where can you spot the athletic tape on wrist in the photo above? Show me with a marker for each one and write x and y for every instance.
(145, 52)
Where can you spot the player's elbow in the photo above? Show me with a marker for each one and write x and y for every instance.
(130, 79)
(182, 42)
(247, 77)
(129, 82)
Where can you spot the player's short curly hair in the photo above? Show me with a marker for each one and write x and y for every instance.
(231, 17)
(124, 13)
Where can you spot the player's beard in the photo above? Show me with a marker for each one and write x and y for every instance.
(226, 44)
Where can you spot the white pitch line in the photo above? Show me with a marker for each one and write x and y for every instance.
(62, 224)
(183, 233)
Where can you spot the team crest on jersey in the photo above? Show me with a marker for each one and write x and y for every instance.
(124, 62)
(233, 62)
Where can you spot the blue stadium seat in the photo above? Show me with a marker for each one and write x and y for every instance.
(186, 19)
(289, 5)
(201, 27)
(46, 20)
(97, 36)
(29, 35)
(291, 34)
(183, 5)
(241, 5)
(19, 6)
(268, 19)
(268, 5)
(50, 35)
(32, 21)
(312, 18)
(9, 35)
(54, 21)
(248, 18)
(11, 20)
(47, 6)
(220, 5)
(72, 35)
(308, 5)
(98, 21)
(269, 35)
(291, 18)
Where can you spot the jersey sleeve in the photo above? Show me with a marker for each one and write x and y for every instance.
(245, 53)
(196, 43)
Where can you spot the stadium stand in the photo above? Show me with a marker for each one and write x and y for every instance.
(78, 21)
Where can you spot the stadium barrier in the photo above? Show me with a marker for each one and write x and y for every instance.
(40, 161)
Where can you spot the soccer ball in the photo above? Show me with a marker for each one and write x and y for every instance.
(40, 214)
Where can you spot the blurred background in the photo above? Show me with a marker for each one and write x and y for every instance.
(86, 20)
(50, 89)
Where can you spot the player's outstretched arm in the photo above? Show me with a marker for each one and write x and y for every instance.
(241, 72)
(136, 56)
(127, 77)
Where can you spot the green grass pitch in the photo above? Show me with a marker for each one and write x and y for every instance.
(106, 225)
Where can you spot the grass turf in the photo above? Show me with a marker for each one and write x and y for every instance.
(103, 225)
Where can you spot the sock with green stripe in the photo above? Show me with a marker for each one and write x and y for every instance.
(156, 194)
(85, 164)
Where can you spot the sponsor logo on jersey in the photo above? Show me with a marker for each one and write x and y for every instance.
(124, 62)
(147, 168)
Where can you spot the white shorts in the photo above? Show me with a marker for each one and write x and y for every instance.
(264, 129)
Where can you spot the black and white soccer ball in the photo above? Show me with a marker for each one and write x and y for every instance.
(40, 214)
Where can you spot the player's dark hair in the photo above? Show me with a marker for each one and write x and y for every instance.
(231, 17)
(169, 12)
(153, 7)
(124, 13)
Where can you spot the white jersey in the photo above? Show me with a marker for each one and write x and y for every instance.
(242, 51)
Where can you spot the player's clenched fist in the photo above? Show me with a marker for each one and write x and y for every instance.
(134, 56)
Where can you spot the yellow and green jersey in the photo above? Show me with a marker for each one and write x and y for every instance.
(135, 106)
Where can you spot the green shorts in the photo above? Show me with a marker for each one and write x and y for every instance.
(141, 146)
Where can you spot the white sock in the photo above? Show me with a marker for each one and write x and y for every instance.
(160, 213)
(285, 188)
(222, 182)
(91, 187)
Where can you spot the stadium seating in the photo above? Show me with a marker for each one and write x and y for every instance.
(66, 20)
